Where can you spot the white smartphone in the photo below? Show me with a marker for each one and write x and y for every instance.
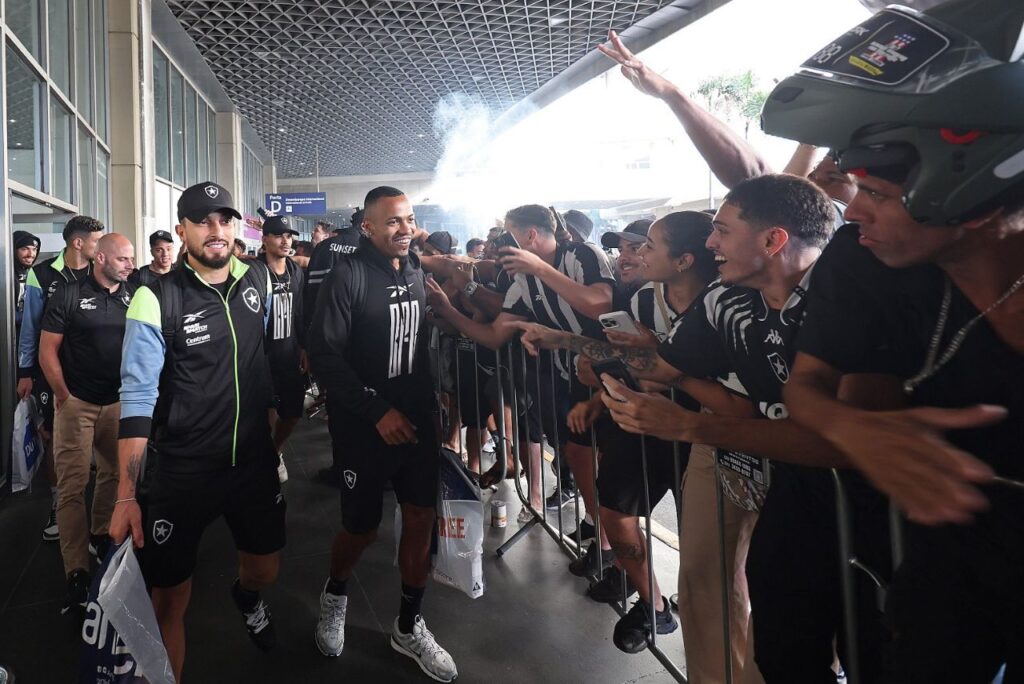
(619, 321)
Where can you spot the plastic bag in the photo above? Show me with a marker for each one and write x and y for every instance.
(26, 446)
(457, 547)
(121, 639)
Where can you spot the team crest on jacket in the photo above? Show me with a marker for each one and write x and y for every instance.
(252, 299)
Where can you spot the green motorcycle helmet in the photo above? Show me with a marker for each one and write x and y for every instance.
(931, 100)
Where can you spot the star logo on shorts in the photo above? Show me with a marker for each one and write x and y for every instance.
(251, 299)
(350, 479)
(162, 530)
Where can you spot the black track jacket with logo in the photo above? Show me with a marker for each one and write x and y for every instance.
(203, 355)
(365, 337)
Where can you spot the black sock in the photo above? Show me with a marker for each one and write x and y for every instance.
(412, 598)
(245, 600)
(337, 587)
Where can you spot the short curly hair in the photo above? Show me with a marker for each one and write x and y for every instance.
(80, 226)
(787, 201)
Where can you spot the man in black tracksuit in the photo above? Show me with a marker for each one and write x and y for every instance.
(365, 347)
(326, 255)
(195, 340)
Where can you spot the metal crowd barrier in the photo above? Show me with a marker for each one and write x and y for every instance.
(506, 367)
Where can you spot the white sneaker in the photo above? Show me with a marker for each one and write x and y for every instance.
(330, 630)
(422, 647)
(282, 470)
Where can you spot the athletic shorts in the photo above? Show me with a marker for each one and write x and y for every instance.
(44, 400)
(620, 478)
(289, 391)
(474, 405)
(548, 406)
(177, 508)
(366, 463)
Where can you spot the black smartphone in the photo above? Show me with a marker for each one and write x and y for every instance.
(506, 239)
(617, 369)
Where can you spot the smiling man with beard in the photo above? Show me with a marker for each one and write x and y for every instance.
(195, 339)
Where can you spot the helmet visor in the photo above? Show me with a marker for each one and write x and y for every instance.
(899, 50)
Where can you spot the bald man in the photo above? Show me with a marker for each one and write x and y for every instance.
(80, 355)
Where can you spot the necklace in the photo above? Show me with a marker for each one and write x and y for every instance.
(287, 281)
(931, 366)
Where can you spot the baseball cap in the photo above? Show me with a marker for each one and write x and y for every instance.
(202, 199)
(278, 225)
(160, 235)
(579, 223)
(442, 241)
(634, 232)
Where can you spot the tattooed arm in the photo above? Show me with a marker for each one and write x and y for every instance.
(644, 363)
(127, 517)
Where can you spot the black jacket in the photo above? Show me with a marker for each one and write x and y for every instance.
(365, 341)
(325, 255)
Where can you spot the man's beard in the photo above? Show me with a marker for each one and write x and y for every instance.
(113, 275)
(207, 261)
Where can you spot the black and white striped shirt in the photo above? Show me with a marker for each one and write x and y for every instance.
(650, 307)
(529, 297)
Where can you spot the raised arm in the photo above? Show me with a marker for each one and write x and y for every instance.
(730, 157)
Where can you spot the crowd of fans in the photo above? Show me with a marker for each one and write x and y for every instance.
(825, 327)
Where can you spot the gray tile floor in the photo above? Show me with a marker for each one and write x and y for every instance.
(533, 624)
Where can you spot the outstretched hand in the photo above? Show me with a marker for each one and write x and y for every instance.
(638, 73)
(436, 297)
(905, 455)
(645, 340)
(646, 414)
(536, 337)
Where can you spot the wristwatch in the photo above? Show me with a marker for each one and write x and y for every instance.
(470, 288)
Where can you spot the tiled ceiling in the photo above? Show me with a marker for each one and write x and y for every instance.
(360, 79)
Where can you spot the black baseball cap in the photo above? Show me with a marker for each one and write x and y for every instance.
(159, 236)
(202, 199)
(634, 232)
(442, 241)
(278, 225)
(579, 223)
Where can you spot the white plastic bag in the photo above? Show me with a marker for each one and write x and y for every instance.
(457, 548)
(123, 604)
(26, 446)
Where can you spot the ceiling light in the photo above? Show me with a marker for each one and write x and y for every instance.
(290, 149)
(419, 135)
(555, 21)
(412, 151)
(280, 130)
(12, 121)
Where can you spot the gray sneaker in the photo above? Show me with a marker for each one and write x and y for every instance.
(421, 646)
(50, 530)
(330, 630)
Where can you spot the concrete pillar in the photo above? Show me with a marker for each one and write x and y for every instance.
(127, 172)
(269, 178)
(229, 153)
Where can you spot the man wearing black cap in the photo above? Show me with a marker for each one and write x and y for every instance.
(80, 354)
(285, 335)
(195, 377)
(161, 246)
(440, 243)
(26, 249)
(579, 225)
(628, 264)
(81, 234)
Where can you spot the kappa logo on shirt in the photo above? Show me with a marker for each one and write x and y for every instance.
(779, 367)
(251, 299)
(397, 290)
(87, 303)
(162, 530)
(774, 337)
(350, 479)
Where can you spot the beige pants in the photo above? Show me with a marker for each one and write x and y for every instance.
(78, 428)
(700, 584)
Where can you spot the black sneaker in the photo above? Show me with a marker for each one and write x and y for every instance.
(50, 530)
(587, 531)
(609, 589)
(559, 500)
(78, 592)
(633, 630)
(587, 563)
(257, 621)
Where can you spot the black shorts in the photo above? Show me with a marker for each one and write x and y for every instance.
(177, 508)
(620, 478)
(474, 405)
(365, 464)
(289, 391)
(548, 399)
(44, 400)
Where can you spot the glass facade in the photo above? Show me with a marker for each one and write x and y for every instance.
(185, 141)
(22, 18)
(59, 26)
(62, 136)
(24, 122)
(252, 183)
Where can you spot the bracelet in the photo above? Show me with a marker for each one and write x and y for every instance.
(131, 498)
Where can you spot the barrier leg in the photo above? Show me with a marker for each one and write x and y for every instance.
(726, 570)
